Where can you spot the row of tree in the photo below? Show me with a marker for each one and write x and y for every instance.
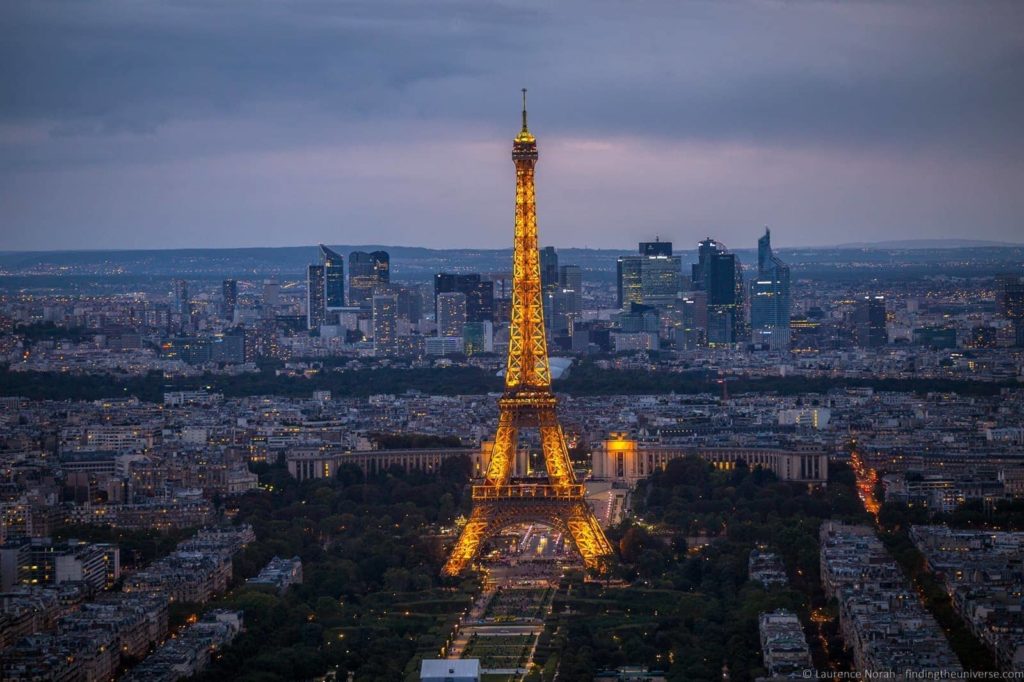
(586, 379)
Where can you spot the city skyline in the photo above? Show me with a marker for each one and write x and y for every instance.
(883, 122)
(695, 435)
(667, 455)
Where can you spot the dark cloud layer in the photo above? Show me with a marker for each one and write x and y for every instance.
(192, 123)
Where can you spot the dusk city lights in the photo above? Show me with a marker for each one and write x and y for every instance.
(451, 341)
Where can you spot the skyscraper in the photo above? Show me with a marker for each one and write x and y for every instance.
(410, 304)
(316, 313)
(869, 329)
(1010, 299)
(262, 341)
(718, 274)
(650, 278)
(181, 300)
(385, 324)
(478, 291)
(691, 332)
(570, 281)
(367, 273)
(564, 304)
(182, 305)
(271, 293)
(334, 278)
(451, 313)
(628, 278)
(228, 347)
(724, 312)
(478, 337)
(770, 297)
(229, 294)
(660, 279)
(548, 268)
(701, 270)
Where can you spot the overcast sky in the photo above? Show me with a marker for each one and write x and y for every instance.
(189, 123)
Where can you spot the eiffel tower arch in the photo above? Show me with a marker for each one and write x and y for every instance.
(528, 403)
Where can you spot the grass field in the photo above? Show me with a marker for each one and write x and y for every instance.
(518, 604)
(500, 651)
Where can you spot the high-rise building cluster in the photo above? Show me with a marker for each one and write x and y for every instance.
(705, 309)
(374, 310)
(562, 291)
(597, 304)
(710, 307)
(723, 305)
(719, 304)
(369, 274)
(477, 294)
(387, 318)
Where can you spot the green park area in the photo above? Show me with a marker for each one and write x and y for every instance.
(691, 610)
(373, 601)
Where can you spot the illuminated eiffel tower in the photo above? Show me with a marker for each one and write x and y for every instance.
(528, 403)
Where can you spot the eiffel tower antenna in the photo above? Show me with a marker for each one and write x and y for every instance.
(525, 129)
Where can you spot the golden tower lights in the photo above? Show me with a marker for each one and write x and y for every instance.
(528, 402)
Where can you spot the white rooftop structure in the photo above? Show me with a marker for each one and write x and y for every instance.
(450, 670)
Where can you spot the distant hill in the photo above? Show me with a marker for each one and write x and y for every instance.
(140, 269)
(910, 244)
(408, 262)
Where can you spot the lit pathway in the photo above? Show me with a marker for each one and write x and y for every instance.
(530, 626)
(474, 616)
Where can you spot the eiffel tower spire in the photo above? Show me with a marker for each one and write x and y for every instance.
(528, 403)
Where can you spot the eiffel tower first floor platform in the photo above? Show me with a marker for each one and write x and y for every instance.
(561, 507)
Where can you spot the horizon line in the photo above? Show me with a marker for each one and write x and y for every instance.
(909, 245)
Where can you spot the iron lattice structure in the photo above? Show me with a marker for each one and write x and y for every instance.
(528, 403)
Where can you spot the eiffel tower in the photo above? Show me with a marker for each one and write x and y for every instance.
(528, 403)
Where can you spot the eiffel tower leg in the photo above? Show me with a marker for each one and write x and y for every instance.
(473, 534)
(499, 469)
(556, 455)
(586, 532)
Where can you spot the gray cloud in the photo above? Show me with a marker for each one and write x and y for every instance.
(107, 105)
